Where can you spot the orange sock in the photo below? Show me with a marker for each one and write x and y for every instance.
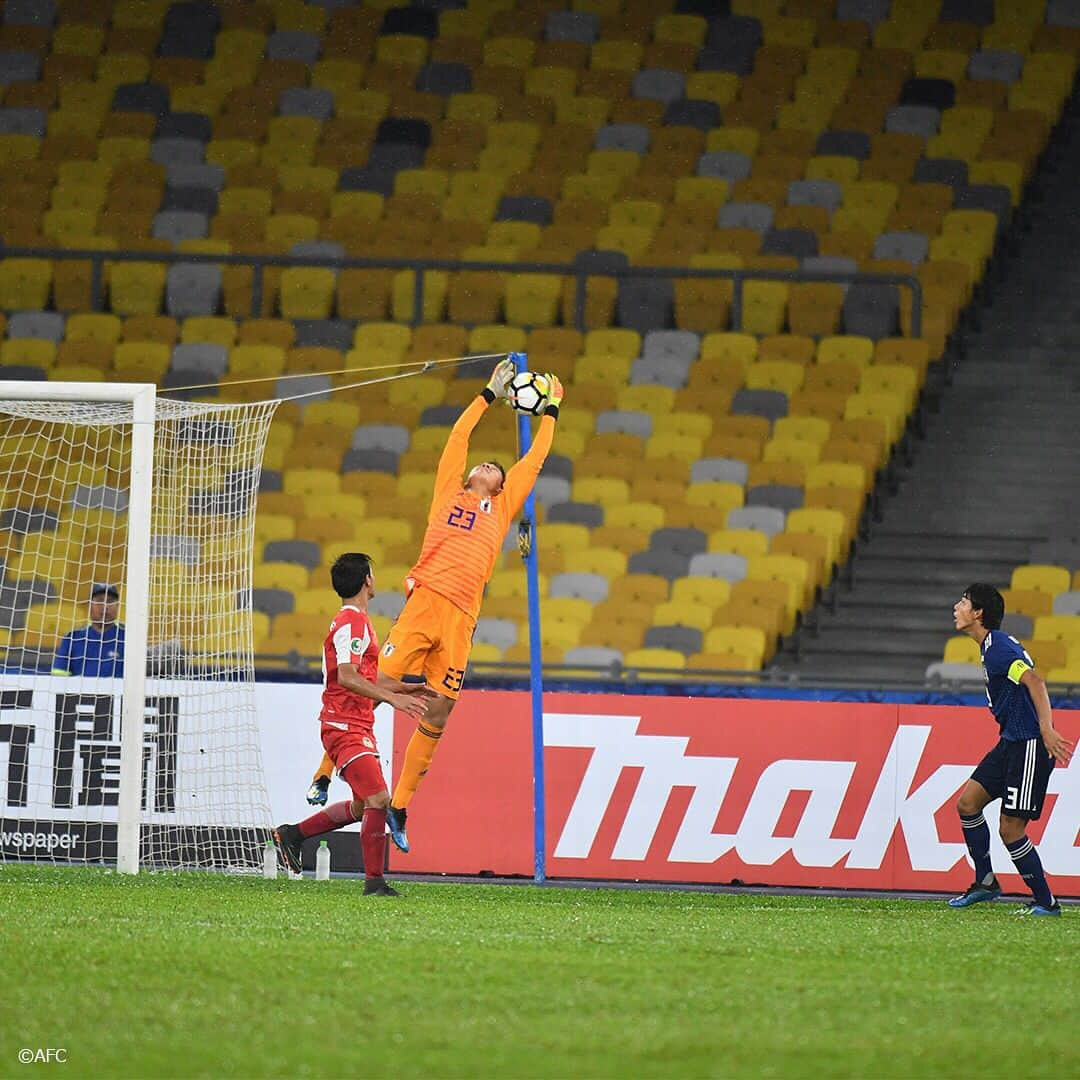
(325, 770)
(418, 757)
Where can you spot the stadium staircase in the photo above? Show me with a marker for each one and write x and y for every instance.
(989, 473)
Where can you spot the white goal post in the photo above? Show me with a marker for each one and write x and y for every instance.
(106, 484)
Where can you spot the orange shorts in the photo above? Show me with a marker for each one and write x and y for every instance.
(431, 637)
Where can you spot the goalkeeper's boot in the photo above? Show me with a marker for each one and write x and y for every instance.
(1033, 907)
(290, 843)
(379, 887)
(316, 794)
(976, 893)
(395, 820)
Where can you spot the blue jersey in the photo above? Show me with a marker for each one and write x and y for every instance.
(92, 653)
(1004, 663)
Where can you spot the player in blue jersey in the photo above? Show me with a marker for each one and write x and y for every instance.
(1018, 769)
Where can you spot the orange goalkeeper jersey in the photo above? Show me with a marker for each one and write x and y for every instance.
(465, 532)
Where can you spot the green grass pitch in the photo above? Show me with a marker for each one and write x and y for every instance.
(198, 975)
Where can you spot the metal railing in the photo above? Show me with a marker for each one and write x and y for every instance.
(581, 271)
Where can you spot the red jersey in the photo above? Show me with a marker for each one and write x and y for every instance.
(351, 640)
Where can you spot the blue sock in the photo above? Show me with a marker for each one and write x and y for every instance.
(977, 838)
(1029, 866)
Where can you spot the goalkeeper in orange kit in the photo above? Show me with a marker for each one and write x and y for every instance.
(467, 523)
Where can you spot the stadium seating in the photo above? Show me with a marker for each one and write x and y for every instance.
(709, 476)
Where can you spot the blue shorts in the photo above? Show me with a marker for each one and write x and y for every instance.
(1017, 773)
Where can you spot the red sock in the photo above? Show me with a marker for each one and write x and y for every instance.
(333, 817)
(373, 842)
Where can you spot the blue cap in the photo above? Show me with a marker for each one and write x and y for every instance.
(103, 587)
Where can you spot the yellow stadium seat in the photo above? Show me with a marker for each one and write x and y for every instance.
(775, 375)
(605, 490)
(25, 283)
(136, 288)
(707, 592)
(962, 650)
(887, 407)
(276, 575)
(745, 542)
(613, 342)
(747, 641)
(650, 399)
(764, 304)
(304, 482)
(436, 286)
(141, 361)
(837, 474)
(717, 494)
(634, 515)
(845, 348)
(607, 562)
(895, 379)
(307, 292)
(29, 352)
(533, 299)
(98, 328)
(1044, 578)
(209, 328)
(663, 659)
(1058, 628)
(256, 361)
(818, 521)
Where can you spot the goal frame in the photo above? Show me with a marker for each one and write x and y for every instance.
(142, 397)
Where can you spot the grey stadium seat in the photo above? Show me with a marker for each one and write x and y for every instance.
(577, 513)
(192, 289)
(1063, 13)
(270, 601)
(854, 144)
(682, 541)
(693, 113)
(727, 165)
(830, 264)
(387, 603)
(726, 470)
(319, 249)
(201, 174)
(772, 404)
(198, 200)
(502, 633)
(558, 465)
(745, 215)
(645, 303)
(684, 639)
(305, 552)
(784, 496)
(978, 12)
(308, 388)
(177, 151)
(660, 371)
(799, 243)
(681, 346)
(147, 97)
(444, 78)
(949, 171)
(593, 656)
(333, 333)
(591, 587)
(766, 519)
(867, 11)
(912, 247)
(293, 45)
(1020, 626)
(19, 65)
(44, 325)
(913, 120)
(1067, 603)
(200, 356)
(534, 208)
(384, 461)
(659, 84)
(29, 13)
(581, 26)
(381, 437)
(996, 65)
(633, 137)
(825, 193)
(666, 564)
(184, 125)
(872, 310)
(178, 225)
(954, 672)
(440, 415)
(17, 121)
(719, 564)
(624, 422)
(314, 101)
(551, 490)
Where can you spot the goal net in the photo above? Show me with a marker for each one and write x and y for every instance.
(78, 607)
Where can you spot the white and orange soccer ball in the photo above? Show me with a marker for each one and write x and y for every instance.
(528, 392)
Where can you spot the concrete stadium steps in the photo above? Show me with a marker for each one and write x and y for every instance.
(993, 470)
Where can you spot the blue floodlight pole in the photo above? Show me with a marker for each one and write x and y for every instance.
(527, 543)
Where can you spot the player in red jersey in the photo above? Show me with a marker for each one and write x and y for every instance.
(350, 668)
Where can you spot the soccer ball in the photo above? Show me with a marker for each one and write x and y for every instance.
(529, 392)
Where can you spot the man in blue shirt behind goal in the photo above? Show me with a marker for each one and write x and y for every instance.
(96, 650)
(1017, 770)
